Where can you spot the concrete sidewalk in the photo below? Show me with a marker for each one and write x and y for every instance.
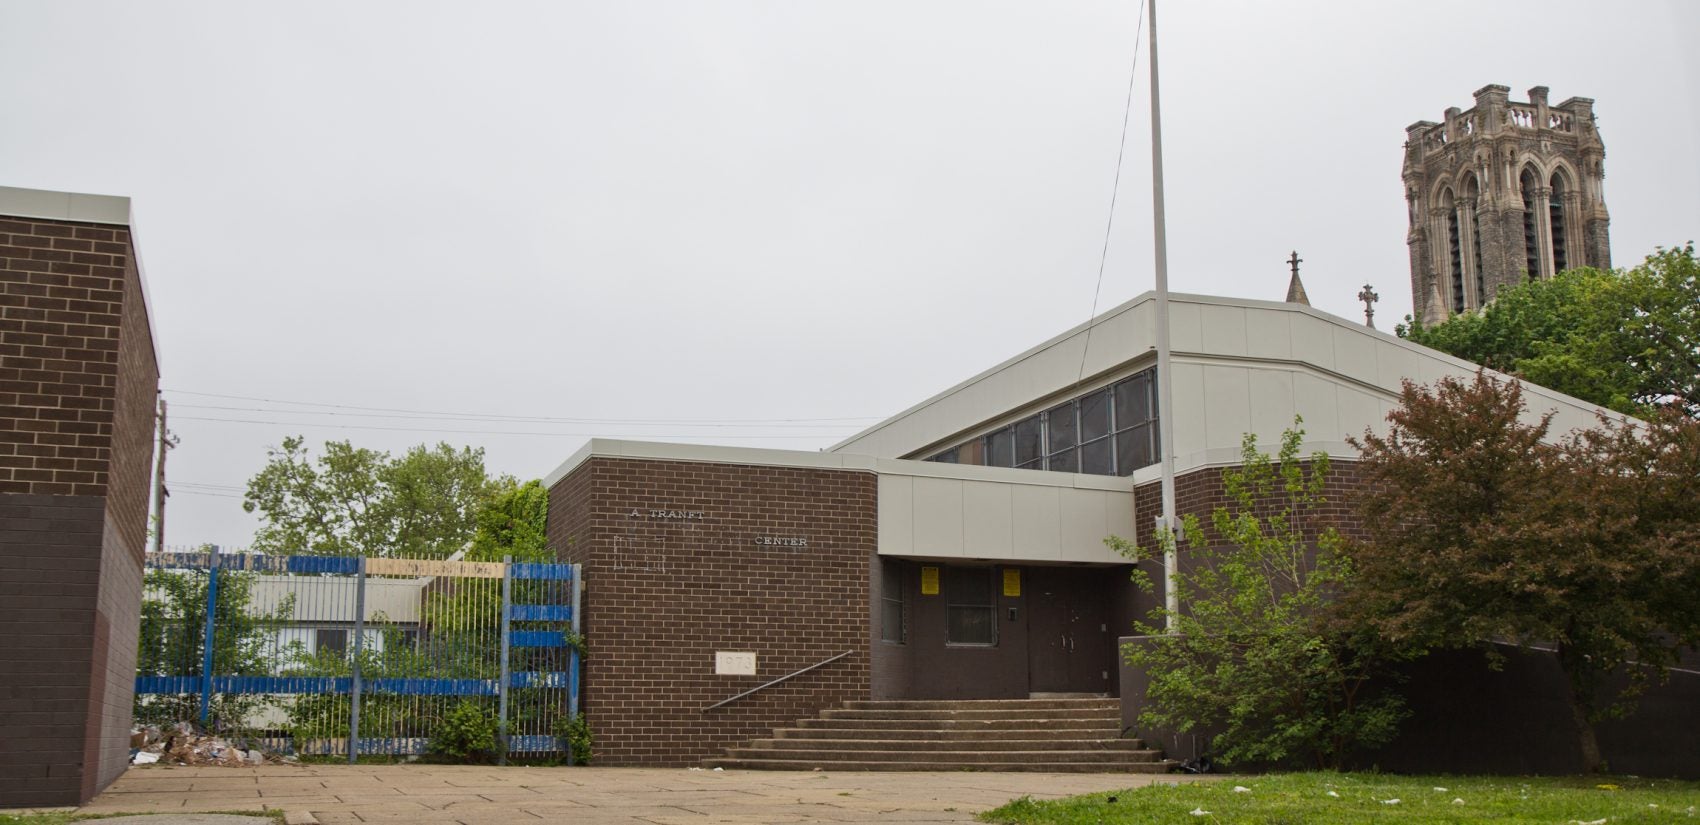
(339, 794)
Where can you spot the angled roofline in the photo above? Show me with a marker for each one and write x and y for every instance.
(1192, 298)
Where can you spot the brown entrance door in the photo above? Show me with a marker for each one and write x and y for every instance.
(1068, 647)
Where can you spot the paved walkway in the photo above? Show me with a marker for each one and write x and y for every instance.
(339, 794)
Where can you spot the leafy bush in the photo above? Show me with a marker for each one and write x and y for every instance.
(1253, 658)
(467, 733)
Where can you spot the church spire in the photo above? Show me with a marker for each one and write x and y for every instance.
(1296, 287)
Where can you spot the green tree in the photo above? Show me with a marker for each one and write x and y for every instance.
(1482, 531)
(512, 523)
(1254, 655)
(1626, 340)
(172, 642)
(355, 501)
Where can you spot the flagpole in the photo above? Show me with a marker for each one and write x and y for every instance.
(1166, 522)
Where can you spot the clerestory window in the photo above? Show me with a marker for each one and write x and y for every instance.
(1109, 431)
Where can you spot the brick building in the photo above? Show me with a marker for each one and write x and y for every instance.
(78, 380)
(955, 550)
(1501, 193)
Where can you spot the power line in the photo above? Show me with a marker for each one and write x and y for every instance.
(526, 418)
(206, 486)
(495, 419)
(1115, 189)
(314, 425)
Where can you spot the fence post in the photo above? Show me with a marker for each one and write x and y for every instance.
(572, 665)
(573, 656)
(502, 687)
(207, 639)
(359, 645)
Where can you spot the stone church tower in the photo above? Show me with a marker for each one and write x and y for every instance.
(1500, 193)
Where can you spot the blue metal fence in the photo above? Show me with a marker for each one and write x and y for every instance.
(351, 656)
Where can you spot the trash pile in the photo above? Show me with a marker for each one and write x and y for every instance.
(184, 744)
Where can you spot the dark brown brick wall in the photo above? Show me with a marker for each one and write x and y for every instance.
(78, 378)
(663, 594)
(49, 584)
(62, 291)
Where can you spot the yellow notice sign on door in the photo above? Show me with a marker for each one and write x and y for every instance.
(1012, 581)
(929, 581)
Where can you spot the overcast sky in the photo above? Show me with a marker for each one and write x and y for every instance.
(761, 215)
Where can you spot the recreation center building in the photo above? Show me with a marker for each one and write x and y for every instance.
(955, 550)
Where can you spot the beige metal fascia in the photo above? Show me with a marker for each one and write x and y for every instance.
(64, 206)
(968, 514)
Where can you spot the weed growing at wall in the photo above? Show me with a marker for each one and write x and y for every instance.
(575, 732)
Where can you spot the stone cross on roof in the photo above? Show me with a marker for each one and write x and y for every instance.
(1296, 287)
(1369, 298)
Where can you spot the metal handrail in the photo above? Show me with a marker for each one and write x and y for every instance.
(791, 675)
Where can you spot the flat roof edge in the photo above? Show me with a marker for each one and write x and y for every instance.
(64, 206)
(763, 457)
(79, 207)
(708, 454)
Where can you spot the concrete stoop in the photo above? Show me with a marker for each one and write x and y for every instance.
(1055, 735)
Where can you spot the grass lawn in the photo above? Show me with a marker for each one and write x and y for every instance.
(1305, 798)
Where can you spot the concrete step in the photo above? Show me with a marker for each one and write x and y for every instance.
(1002, 745)
(1112, 725)
(1107, 713)
(986, 704)
(952, 757)
(935, 765)
(980, 734)
(1063, 734)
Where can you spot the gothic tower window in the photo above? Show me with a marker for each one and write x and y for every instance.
(1454, 251)
(1555, 210)
(1472, 196)
(1531, 225)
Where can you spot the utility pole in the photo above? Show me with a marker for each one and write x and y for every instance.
(166, 442)
(1168, 521)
